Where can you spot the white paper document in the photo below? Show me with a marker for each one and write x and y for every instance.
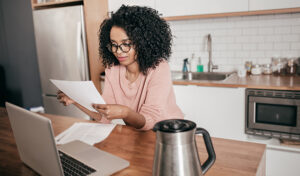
(90, 133)
(83, 92)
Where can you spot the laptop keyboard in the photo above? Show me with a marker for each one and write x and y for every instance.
(72, 166)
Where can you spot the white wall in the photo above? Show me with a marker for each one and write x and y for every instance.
(236, 39)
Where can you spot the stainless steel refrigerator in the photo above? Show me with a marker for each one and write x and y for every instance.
(62, 54)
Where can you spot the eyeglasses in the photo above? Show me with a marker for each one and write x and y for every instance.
(124, 47)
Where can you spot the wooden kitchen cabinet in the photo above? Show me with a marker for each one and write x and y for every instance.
(170, 8)
(282, 162)
(272, 4)
(95, 11)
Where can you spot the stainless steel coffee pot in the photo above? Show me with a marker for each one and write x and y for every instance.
(176, 151)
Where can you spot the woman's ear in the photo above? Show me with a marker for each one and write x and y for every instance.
(136, 56)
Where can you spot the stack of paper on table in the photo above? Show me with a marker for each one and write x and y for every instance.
(89, 133)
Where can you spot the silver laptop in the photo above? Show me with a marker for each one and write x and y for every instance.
(37, 148)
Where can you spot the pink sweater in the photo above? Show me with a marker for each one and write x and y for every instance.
(152, 96)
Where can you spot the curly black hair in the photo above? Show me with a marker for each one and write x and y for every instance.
(150, 35)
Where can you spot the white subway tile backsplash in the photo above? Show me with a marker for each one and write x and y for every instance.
(291, 38)
(274, 38)
(257, 54)
(265, 46)
(281, 46)
(282, 30)
(295, 46)
(234, 32)
(266, 31)
(234, 47)
(250, 31)
(295, 29)
(249, 47)
(236, 39)
(242, 54)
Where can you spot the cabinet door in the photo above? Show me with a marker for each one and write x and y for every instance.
(114, 5)
(197, 7)
(272, 4)
(219, 110)
(281, 162)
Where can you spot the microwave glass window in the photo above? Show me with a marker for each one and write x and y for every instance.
(276, 114)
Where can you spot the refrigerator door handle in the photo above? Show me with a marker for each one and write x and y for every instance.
(81, 53)
(84, 45)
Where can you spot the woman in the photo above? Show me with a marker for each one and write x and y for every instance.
(135, 44)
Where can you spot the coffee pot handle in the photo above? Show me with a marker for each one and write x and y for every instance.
(209, 148)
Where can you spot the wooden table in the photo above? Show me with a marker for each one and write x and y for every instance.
(233, 157)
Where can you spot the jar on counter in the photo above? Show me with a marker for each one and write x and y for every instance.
(298, 66)
(256, 69)
(267, 69)
(291, 66)
(248, 66)
(279, 66)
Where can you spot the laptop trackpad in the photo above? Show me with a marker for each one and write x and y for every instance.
(89, 154)
(84, 151)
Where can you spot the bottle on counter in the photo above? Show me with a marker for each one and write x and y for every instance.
(199, 65)
(185, 69)
(248, 67)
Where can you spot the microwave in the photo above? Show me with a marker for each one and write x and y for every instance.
(273, 113)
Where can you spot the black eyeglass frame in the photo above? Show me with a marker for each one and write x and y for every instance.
(109, 47)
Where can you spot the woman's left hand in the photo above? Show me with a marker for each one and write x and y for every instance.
(112, 111)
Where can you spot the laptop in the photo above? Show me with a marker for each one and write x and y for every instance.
(37, 148)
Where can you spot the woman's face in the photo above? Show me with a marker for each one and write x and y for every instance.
(121, 46)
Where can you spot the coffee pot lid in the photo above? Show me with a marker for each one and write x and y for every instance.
(174, 125)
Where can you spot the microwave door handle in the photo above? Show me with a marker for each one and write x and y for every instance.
(254, 112)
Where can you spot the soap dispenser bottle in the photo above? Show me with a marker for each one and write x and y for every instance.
(199, 65)
(185, 69)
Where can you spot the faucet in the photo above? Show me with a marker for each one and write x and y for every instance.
(210, 65)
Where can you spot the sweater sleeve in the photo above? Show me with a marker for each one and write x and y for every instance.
(159, 96)
(107, 94)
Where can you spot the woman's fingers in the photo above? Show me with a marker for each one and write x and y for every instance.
(60, 94)
(103, 109)
(100, 106)
(63, 98)
(111, 111)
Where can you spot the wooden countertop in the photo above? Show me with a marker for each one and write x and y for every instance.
(250, 81)
(233, 157)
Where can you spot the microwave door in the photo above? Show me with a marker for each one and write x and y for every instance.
(279, 114)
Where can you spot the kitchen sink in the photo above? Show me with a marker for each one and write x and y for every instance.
(197, 76)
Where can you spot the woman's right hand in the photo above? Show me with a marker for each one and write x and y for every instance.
(64, 99)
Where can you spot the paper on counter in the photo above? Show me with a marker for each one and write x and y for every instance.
(90, 133)
(83, 92)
